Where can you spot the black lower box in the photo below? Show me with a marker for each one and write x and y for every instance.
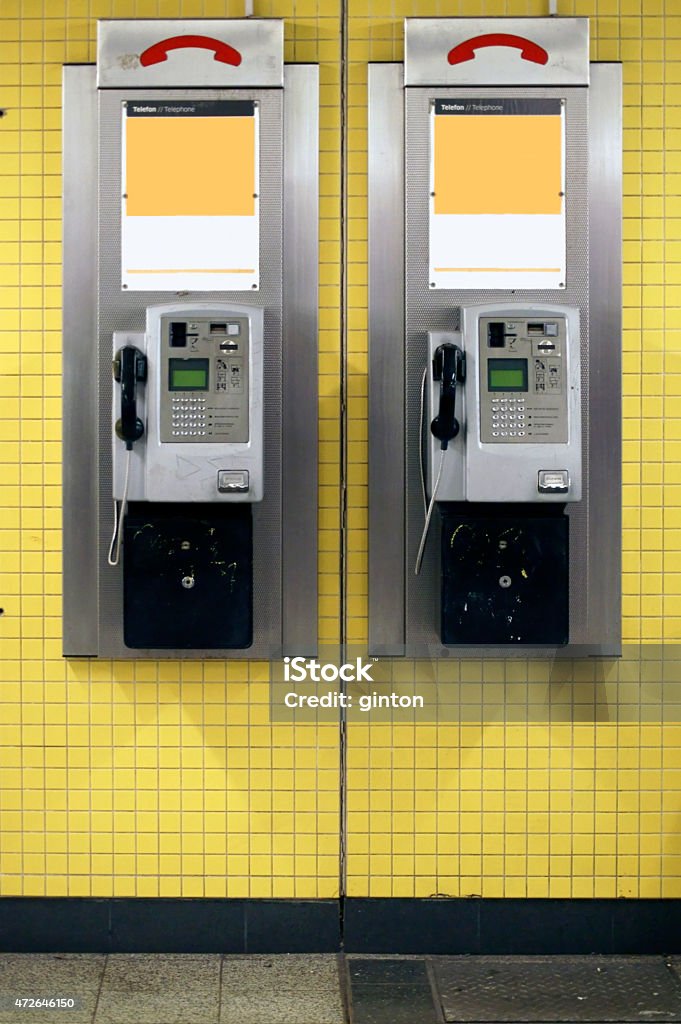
(504, 575)
(188, 576)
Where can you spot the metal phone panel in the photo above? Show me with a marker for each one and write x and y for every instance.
(217, 53)
(386, 360)
(428, 310)
(79, 474)
(121, 310)
(604, 591)
(195, 468)
(496, 51)
(504, 471)
(300, 362)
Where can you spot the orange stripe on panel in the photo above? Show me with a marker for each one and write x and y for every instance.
(497, 270)
(195, 270)
(498, 164)
(190, 166)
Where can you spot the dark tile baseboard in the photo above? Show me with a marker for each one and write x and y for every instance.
(79, 925)
(401, 926)
(507, 926)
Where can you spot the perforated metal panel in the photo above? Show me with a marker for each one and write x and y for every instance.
(497, 990)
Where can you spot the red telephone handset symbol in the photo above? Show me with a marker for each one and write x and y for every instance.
(528, 50)
(159, 51)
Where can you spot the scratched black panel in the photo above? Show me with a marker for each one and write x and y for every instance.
(504, 576)
(188, 576)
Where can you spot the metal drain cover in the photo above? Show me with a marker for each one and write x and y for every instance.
(504, 989)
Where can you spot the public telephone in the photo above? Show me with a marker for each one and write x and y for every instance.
(503, 429)
(512, 376)
(188, 405)
(187, 416)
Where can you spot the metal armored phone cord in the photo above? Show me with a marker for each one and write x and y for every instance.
(427, 509)
(426, 525)
(114, 555)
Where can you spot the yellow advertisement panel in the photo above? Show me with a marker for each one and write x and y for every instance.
(497, 193)
(190, 214)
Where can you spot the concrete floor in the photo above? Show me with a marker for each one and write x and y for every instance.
(164, 988)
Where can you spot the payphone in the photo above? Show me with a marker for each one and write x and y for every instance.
(187, 419)
(513, 440)
(188, 406)
(494, 253)
(190, 170)
(517, 370)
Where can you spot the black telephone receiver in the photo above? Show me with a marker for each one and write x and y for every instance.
(129, 367)
(449, 368)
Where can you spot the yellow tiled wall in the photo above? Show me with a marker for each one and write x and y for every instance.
(588, 808)
(138, 778)
(147, 778)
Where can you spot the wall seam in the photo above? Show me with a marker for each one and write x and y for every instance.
(343, 559)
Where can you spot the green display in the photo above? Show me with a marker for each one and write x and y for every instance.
(188, 375)
(507, 374)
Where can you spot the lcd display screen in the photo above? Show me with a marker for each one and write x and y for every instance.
(188, 375)
(507, 374)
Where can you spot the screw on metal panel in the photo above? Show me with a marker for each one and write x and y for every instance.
(125, 286)
(505, 582)
(188, 582)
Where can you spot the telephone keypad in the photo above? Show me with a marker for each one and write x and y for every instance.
(217, 372)
(535, 409)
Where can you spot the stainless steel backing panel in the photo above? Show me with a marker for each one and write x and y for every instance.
(79, 389)
(411, 627)
(604, 592)
(206, 58)
(126, 310)
(93, 590)
(429, 310)
(386, 359)
(506, 989)
(300, 362)
(555, 51)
